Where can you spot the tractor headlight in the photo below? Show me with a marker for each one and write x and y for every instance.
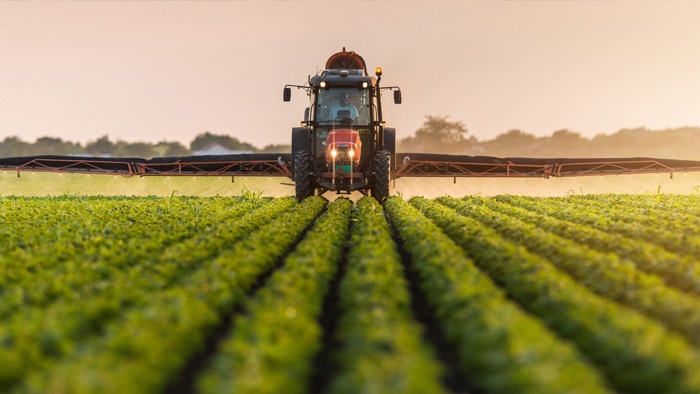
(334, 153)
(323, 84)
(351, 153)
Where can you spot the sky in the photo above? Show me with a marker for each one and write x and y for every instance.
(160, 70)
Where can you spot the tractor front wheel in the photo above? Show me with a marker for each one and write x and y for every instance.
(380, 184)
(302, 175)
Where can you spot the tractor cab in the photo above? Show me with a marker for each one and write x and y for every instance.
(341, 111)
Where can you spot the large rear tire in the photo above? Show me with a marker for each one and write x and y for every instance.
(390, 145)
(303, 175)
(381, 164)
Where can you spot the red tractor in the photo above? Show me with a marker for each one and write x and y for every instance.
(342, 144)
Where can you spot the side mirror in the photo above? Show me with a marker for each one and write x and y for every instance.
(287, 94)
(397, 97)
(306, 114)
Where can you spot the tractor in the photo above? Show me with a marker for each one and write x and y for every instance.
(342, 145)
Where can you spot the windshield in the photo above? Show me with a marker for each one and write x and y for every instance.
(348, 106)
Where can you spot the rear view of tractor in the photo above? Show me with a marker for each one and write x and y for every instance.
(342, 144)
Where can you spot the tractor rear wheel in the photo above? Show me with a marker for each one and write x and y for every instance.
(380, 184)
(302, 175)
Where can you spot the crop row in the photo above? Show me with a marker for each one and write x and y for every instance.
(647, 226)
(381, 347)
(678, 271)
(128, 316)
(43, 332)
(45, 266)
(635, 353)
(505, 294)
(147, 347)
(499, 346)
(273, 344)
(603, 273)
(667, 205)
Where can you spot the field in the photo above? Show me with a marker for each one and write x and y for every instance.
(51, 184)
(583, 293)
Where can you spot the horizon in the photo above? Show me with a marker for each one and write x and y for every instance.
(490, 139)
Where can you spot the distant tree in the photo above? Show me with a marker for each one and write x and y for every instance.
(437, 135)
(515, 137)
(140, 149)
(567, 143)
(678, 143)
(101, 147)
(13, 146)
(121, 149)
(439, 130)
(56, 146)
(207, 139)
(513, 143)
(276, 148)
(170, 149)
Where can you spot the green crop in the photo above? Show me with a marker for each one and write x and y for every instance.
(605, 274)
(501, 348)
(635, 353)
(678, 271)
(582, 294)
(381, 349)
(272, 346)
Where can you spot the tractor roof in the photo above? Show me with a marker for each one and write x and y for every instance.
(342, 78)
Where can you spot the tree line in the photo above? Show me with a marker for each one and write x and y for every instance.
(104, 147)
(441, 135)
(438, 134)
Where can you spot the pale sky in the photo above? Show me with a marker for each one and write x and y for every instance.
(153, 71)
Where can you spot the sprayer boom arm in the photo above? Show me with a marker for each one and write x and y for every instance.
(414, 165)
